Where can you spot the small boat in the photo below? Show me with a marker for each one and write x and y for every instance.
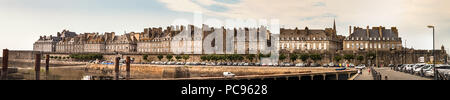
(341, 69)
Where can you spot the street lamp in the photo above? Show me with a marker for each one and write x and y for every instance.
(434, 55)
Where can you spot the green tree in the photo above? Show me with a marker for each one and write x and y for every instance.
(169, 57)
(360, 58)
(250, 57)
(185, 57)
(160, 57)
(349, 57)
(282, 57)
(316, 57)
(145, 57)
(293, 57)
(304, 57)
(337, 58)
(371, 56)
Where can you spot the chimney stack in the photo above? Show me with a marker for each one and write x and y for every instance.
(367, 31)
(350, 30)
(381, 31)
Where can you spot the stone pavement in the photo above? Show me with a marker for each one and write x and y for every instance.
(365, 75)
(394, 75)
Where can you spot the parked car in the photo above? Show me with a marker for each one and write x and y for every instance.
(442, 69)
(228, 74)
(300, 65)
(257, 64)
(315, 65)
(332, 64)
(361, 66)
(351, 65)
(324, 65)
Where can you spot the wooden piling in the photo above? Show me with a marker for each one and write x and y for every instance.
(37, 63)
(47, 62)
(128, 64)
(116, 63)
(5, 60)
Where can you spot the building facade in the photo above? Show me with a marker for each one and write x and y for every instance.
(377, 38)
(301, 40)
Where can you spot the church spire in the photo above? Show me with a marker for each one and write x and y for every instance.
(334, 25)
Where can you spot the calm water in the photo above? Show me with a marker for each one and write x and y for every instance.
(26, 71)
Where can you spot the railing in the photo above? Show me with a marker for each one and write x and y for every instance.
(442, 76)
(375, 74)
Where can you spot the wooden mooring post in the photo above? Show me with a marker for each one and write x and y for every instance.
(5, 60)
(37, 66)
(4, 71)
(116, 68)
(47, 62)
(128, 63)
(128, 67)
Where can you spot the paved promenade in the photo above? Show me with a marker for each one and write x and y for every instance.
(365, 75)
(391, 74)
(394, 75)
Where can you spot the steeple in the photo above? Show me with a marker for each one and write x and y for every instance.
(334, 25)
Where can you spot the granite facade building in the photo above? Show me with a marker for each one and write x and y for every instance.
(301, 40)
(377, 38)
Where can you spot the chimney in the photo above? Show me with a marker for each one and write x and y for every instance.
(350, 30)
(367, 31)
(394, 29)
(381, 31)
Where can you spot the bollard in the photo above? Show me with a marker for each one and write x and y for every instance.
(116, 63)
(37, 65)
(128, 63)
(47, 62)
(37, 62)
(5, 60)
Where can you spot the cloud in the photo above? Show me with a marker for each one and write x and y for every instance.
(410, 16)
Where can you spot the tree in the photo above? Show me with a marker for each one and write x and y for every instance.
(337, 58)
(316, 57)
(178, 57)
(304, 57)
(203, 58)
(360, 58)
(240, 57)
(169, 57)
(251, 57)
(145, 57)
(186, 57)
(160, 57)
(282, 57)
(349, 57)
(293, 57)
(371, 56)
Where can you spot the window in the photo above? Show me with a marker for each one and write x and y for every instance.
(320, 46)
(314, 46)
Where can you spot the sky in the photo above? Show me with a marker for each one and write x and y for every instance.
(23, 21)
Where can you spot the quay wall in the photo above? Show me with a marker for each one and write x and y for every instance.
(167, 71)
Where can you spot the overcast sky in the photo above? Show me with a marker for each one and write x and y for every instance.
(23, 21)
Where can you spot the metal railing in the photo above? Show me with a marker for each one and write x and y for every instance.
(375, 74)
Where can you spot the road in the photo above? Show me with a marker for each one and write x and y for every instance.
(365, 75)
(391, 75)
(394, 75)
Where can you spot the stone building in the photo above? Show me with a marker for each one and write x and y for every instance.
(46, 44)
(377, 38)
(122, 43)
(156, 40)
(297, 40)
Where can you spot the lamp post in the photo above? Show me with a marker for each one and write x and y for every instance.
(434, 55)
